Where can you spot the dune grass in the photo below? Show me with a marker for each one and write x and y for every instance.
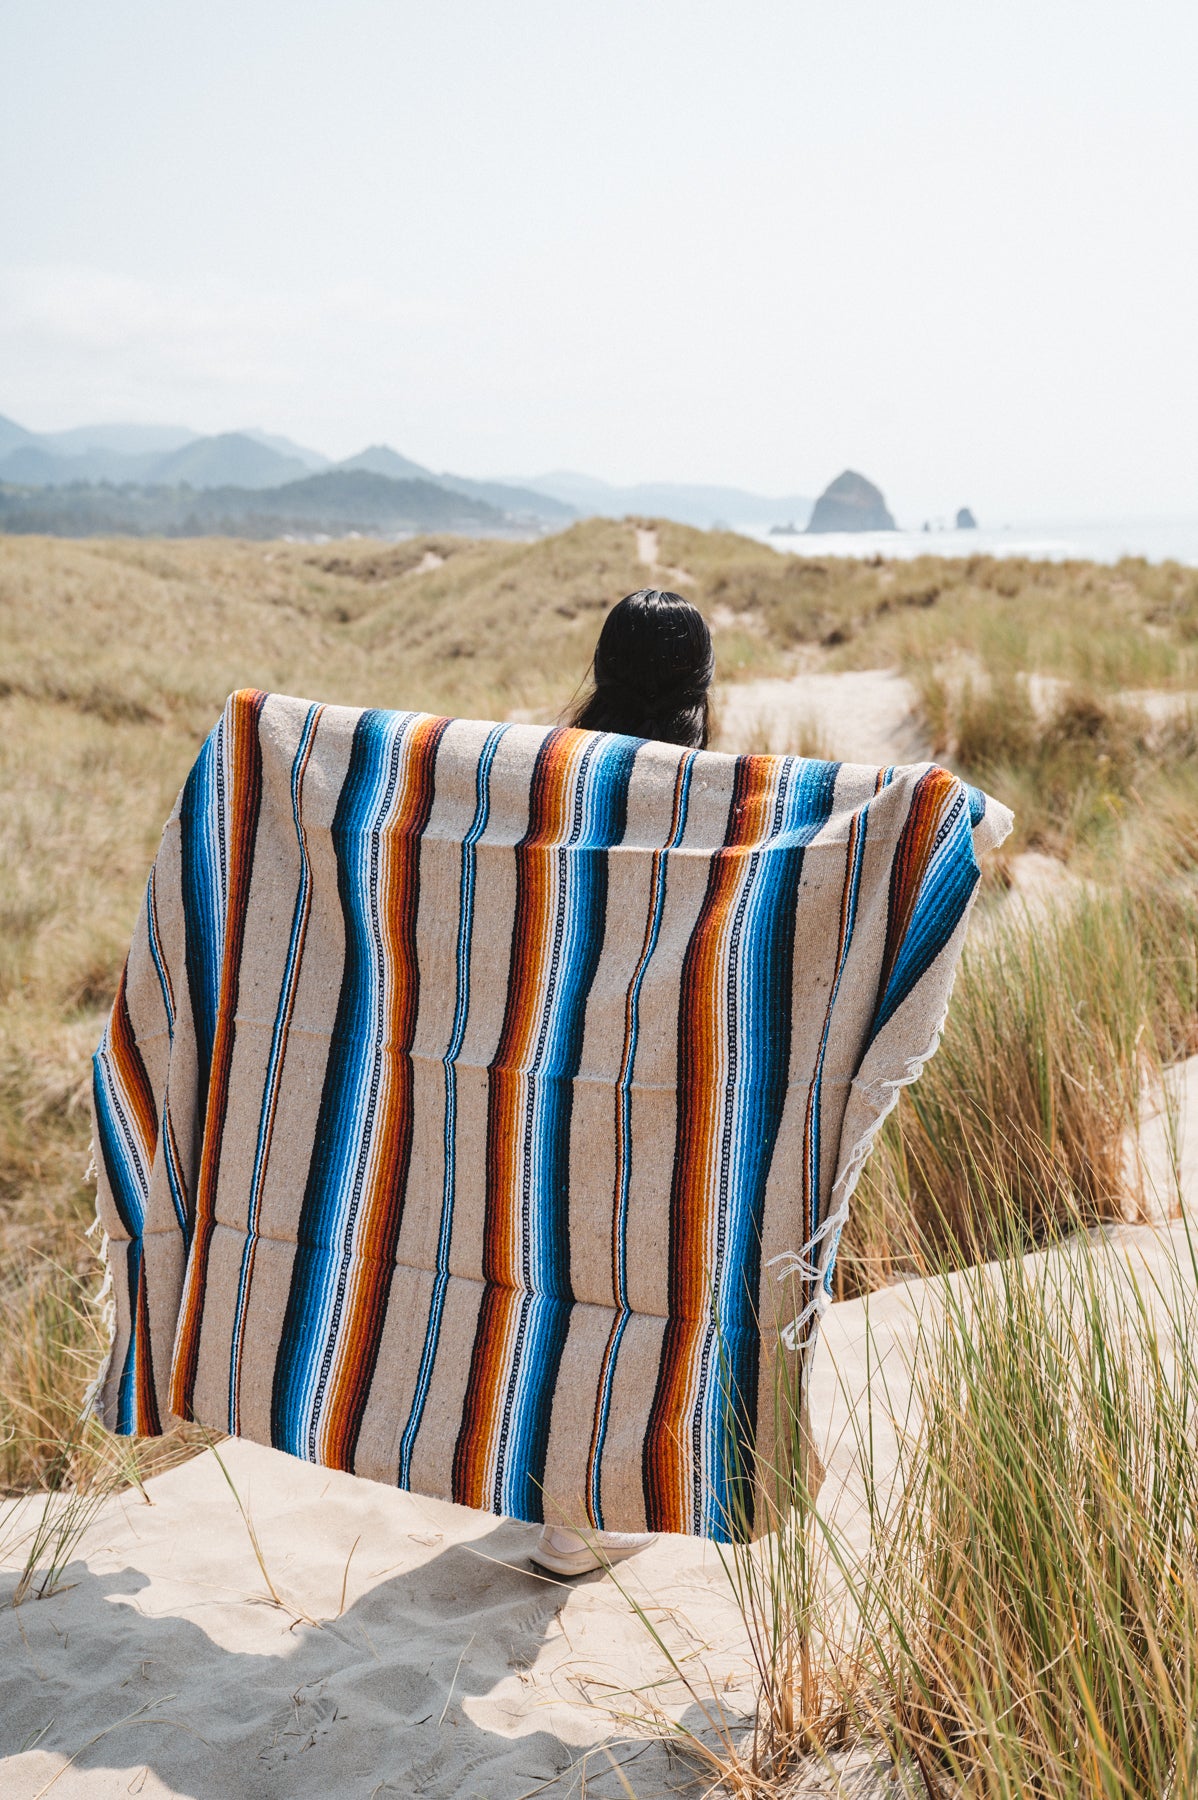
(1032, 1612)
(1024, 1617)
(1133, 624)
(1028, 1112)
(1025, 1623)
(116, 656)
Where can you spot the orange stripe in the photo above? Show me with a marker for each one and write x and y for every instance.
(130, 1071)
(932, 793)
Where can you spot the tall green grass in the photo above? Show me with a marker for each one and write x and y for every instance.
(1030, 1615)
(1024, 1618)
(1059, 1022)
(1085, 771)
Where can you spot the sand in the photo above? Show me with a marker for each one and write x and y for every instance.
(857, 715)
(415, 1651)
(451, 1669)
(1162, 1168)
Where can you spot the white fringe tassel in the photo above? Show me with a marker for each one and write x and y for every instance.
(814, 1259)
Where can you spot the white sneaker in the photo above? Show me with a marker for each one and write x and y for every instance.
(565, 1552)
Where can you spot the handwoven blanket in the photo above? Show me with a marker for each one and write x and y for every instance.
(480, 1104)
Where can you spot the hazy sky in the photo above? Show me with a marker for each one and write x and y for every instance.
(950, 244)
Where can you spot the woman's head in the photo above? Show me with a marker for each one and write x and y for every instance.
(653, 667)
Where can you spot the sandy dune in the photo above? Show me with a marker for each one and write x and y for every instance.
(452, 1670)
(415, 1652)
(162, 1668)
(858, 715)
(1162, 1169)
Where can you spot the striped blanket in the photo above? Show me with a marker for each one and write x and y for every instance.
(480, 1104)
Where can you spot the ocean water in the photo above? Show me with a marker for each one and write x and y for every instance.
(1158, 540)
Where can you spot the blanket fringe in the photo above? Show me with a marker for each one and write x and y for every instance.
(813, 1261)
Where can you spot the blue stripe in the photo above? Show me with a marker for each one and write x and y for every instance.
(174, 1174)
(126, 1392)
(760, 980)
(203, 900)
(156, 950)
(624, 1173)
(122, 1165)
(466, 885)
(944, 893)
(126, 1184)
(349, 1096)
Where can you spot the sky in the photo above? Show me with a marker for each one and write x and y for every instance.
(951, 245)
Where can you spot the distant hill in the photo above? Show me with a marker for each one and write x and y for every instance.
(33, 466)
(333, 502)
(311, 459)
(38, 464)
(381, 459)
(358, 499)
(520, 502)
(230, 460)
(166, 457)
(12, 435)
(126, 439)
(688, 502)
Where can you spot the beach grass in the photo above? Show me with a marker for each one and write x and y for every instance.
(1026, 1118)
(115, 659)
(1032, 1608)
(1021, 1618)
(116, 656)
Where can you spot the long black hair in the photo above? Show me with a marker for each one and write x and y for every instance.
(652, 669)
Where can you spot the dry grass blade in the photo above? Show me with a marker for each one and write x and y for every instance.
(276, 1598)
(345, 1574)
(453, 1684)
(137, 1714)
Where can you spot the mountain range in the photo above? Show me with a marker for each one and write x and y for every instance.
(251, 477)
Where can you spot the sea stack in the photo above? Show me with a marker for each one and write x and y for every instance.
(851, 503)
(966, 520)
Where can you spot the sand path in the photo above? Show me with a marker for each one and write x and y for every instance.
(451, 1670)
(857, 715)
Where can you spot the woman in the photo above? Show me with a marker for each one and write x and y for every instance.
(652, 668)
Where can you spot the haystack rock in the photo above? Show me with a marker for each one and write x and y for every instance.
(966, 520)
(850, 503)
